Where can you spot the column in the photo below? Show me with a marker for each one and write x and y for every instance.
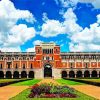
(11, 74)
(75, 74)
(90, 74)
(27, 75)
(19, 74)
(83, 73)
(98, 74)
(4, 74)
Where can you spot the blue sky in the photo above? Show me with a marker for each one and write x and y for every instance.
(72, 24)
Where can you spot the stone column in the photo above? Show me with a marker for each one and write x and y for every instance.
(19, 74)
(90, 74)
(4, 74)
(82, 74)
(27, 75)
(98, 74)
(12, 74)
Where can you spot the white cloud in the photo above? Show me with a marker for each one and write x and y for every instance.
(31, 49)
(45, 18)
(88, 39)
(37, 42)
(52, 28)
(19, 34)
(10, 49)
(70, 24)
(73, 3)
(12, 35)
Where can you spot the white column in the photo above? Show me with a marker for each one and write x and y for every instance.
(19, 74)
(98, 74)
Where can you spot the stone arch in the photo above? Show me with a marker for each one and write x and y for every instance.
(47, 70)
(86, 73)
(23, 74)
(1, 74)
(79, 74)
(31, 74)
(71, 74)
(94, 73)
(8, 74)
(16, 74)
(63, 74)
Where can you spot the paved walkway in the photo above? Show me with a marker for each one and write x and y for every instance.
(8, 92)
(90, 90)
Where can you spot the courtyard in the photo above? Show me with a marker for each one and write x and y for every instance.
(21, 90)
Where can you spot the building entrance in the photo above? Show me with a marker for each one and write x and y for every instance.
(47, 70)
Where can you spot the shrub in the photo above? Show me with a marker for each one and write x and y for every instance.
(51, 91)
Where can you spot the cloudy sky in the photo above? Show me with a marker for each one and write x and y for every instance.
(72, 24)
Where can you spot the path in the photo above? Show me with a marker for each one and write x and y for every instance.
(8, 92)
(90, 90)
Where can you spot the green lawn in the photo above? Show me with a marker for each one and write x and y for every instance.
(68, 82)
(26, 83)
(24, 96)
(92, 80)
(8, 80)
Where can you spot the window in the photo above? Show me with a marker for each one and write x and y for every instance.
(38, 50)
(8, 65)
(23, 66)
(86, 65)
(16, 66)
(24, 58)
(31, 65)
(0, 66)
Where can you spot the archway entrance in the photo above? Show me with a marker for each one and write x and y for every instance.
(1, 74)
(31, 74)
(79, 74)
(71, 74)
(16, 74)
(8, 74)
(64, 74)
(23, 74)
(86, 73)
(94, 73)
(47, 70)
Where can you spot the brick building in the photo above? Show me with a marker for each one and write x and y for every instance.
(48, 61)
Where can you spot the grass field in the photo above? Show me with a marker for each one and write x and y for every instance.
(26, 83)
(8, 80)
(92, 80)
(68, 82)
(24, 96)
